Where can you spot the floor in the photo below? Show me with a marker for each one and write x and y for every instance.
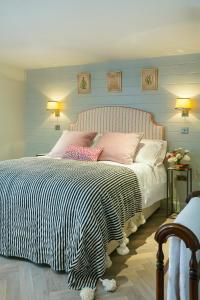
(135, 273)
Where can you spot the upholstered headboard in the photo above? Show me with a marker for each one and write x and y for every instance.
(118, 119)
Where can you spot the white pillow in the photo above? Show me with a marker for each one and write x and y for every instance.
(151, 152)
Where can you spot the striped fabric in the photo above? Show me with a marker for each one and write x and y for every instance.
(118, 119)
(64, 213)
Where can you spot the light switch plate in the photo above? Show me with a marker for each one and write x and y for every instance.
(185, 130)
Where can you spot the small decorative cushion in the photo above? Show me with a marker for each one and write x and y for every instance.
(151, 152)
(82, 153)
(119, 147)
(67, 138)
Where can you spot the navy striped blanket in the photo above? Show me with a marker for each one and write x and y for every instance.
(64, 213)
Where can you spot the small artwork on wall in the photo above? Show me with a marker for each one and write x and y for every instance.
(150, 79)
(84, 83)
(114, 81)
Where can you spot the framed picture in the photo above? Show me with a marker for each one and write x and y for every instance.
(84, 83)
(150, 79)
(114, 81)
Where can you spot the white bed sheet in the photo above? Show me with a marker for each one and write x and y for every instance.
(152, 181)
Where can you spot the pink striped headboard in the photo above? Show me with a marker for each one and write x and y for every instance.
(118, 119)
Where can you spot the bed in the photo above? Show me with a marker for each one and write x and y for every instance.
(184, 253)
(126, 119)
(72, 215)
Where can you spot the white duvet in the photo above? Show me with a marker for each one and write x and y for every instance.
(152, 181)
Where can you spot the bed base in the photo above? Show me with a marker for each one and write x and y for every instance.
(132, 225)
(191, 242)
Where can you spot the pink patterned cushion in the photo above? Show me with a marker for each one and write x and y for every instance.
(82, 153)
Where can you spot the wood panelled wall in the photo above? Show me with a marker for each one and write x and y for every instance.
(178, 76)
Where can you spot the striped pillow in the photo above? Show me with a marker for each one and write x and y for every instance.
(82, 153)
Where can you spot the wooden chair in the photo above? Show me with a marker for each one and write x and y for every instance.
(191, 242)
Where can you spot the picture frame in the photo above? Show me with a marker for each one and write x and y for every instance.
(84, 83)
(149, 79)
(114, 81)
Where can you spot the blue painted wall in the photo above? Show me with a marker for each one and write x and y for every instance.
(178, 76)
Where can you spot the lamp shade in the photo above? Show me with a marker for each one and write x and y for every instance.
(183, 103)
(54, 105)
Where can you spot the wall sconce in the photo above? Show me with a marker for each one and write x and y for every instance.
(55, 107)
(185, 104)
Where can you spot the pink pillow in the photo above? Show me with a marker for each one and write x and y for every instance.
(119, 147)
(67, 138)
(82, 153)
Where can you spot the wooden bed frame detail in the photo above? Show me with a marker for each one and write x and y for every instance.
(191, 242)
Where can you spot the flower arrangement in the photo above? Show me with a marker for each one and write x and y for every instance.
(178, 156)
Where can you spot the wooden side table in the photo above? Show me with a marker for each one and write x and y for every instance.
(187, 173)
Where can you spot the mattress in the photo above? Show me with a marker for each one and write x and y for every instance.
(152, 181)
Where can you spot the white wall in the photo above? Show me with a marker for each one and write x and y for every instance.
(12, 96)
